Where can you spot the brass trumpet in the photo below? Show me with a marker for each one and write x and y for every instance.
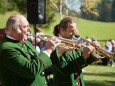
(99, 52)
(64, 41)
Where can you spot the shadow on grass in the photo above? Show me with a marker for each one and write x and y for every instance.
(101, 83)
(108, 74)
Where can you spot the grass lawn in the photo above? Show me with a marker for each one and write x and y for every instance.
(99, 75)
(4, 17)
(100, 30)
(94, 75)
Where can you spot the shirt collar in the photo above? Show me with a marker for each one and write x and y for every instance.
(10, 37)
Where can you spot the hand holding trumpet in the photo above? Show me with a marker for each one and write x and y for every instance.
(67, 44)
(51, 44)
(89, 49)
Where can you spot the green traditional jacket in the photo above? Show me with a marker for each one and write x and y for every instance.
(67, 69)
(21, 65)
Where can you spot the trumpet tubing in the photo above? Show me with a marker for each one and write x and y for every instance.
(68, 42)
(101, 50)
(64, 42)
(71, 44)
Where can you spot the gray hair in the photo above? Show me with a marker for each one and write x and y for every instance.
(12, 22)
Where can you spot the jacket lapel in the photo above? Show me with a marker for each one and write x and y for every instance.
(72, 54)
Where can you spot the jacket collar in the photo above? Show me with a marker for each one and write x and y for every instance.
(10, 39)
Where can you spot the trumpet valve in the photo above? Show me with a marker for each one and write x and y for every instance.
(78, 45)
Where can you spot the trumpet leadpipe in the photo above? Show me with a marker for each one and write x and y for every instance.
(64, 41)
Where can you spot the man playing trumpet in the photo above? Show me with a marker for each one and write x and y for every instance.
(67, 65)
(20, 63)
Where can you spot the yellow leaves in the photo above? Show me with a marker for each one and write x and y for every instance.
(95, 13)
(89, 6)
(51, 3)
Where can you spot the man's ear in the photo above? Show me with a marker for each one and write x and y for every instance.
(17, 30)
(13, 30)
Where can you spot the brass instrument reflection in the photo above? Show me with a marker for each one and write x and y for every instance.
(79, 43)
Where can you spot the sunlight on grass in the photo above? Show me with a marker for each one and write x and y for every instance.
(4, 17)
(98, 75)
(94, 75)
(100, 30)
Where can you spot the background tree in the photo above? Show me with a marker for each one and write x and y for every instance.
(89, 10)
(113, 11)
(19, 5)
(105, 7)
(4, 6)
(101, 10)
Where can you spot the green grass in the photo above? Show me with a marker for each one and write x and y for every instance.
(4, 17)
(94, 75)
(98, 75)
(100, 30)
